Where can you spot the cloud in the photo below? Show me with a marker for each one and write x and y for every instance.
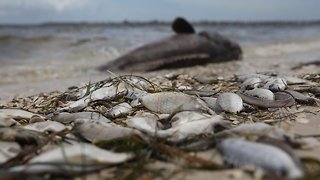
(57, 5)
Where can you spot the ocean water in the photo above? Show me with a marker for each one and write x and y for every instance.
(33, 52)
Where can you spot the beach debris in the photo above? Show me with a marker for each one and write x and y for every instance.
(172, 102)
(272, 159)
(11, 117)
(275, 84)
(261, 93)
(21, 136)
(230, 102)
(72, 157)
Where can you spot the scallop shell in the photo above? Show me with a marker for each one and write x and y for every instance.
(230, 102)
(261, 93)
(171, 102)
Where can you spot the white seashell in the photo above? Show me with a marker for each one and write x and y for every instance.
(46, 126)
(267, 157)
(261, 93)
(188, 124)
(251, 83)
(171, 102)
(95, 131)
(105, 93)
(275, 84)
(230, 102)
(121, 109)
(66, 118)
(8, 150)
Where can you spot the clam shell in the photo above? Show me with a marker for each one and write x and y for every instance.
(261, 93)
(230, 102)
(171, 102)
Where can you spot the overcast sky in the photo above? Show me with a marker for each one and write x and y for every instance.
(37, 11)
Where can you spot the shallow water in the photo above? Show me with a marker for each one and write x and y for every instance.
(52, 51)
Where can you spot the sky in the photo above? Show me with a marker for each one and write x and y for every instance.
(40, 11)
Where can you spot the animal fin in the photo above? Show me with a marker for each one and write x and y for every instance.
(182, 26)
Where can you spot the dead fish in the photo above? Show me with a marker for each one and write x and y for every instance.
(190, 124)
(94, 131)
(46, 126)
(186, 48)
(267, 157)
(9, 117)
(8, 150)
(108, 92)
(172, 102)
(230, 102)
(67, 118)
(77, 157)
(21, 136)
(120, 110)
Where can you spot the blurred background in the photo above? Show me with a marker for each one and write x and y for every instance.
(50, 42)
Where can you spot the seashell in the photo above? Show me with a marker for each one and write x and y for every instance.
(8, 150)
(66, 118)
(267, 157)
(171, 102)
(119, 110)
(230, 102)
(94, 131)
(275, 84)
(261, 93)
(188, 124)
(251, 83)
(36, 118)
(107, 92)
(46, 126)
(78, 157)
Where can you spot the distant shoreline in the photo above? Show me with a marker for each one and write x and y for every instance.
(156, 22)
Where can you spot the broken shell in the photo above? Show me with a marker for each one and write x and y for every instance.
(267, 157)
(171, 102)
(119, 110)
(230, 102)
(35, 119)
(261, 93)
(275, 84)
(46, 126)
